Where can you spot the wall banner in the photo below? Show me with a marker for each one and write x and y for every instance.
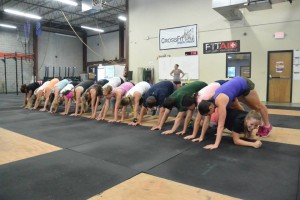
(221, 47)
(178, 37)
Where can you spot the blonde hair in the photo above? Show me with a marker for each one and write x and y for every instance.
(126, 101)
(55, 103)
(251, 115)
(84, 103)
(42, 98)
(107, 90)
(30, 101)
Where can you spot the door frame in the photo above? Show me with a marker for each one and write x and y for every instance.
(268, 71)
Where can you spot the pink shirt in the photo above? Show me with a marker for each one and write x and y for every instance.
(125, 87)
(207, 92)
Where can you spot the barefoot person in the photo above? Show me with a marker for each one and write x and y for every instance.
(175, 100)
(78, 91)
(117, 93)
(28, 90)
(154, 100)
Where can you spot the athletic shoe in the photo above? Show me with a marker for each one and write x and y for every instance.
(267, 131)
(260, 131)
(264, 131)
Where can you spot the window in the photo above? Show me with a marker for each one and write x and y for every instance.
(238, 64)
(231, 72)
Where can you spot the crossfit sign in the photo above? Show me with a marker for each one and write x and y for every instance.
(178, 37)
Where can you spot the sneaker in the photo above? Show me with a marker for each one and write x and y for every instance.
(260, 131)
(267, 131)
(264, 131)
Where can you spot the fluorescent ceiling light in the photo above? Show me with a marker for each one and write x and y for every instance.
(15, 12)
(122, 18)
(72, 3)
(8, 26)
(85, 7)
(73, 36)
(93, 29)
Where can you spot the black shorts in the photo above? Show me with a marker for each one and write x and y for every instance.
(250, 86)
(122, 81)
(177, 82)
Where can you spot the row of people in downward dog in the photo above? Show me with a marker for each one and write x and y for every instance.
(217, 102)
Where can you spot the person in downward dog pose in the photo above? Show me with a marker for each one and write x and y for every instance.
(93, 95)
(134, 95)
(228, 96)
(154, 99)
(175, 100)
(78, 91)
(56, 90)
(117, 93)
(29, 90)
(205, 93)
(107, 89)
(67, 94)
(47, 92)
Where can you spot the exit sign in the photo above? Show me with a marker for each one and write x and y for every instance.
(191, 53)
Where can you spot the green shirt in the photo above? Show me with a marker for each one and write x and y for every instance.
(186, 90)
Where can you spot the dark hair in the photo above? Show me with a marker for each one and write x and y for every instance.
(23, 88)
(169, 103)
(102, 82)
(51, 97)
(99, 90)
(203, 107)
(187, 101)
(141, 100)
(151, 101)
(66, 92)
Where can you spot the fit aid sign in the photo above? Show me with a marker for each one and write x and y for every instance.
(221, 47)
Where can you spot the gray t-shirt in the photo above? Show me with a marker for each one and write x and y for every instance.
(176, 73)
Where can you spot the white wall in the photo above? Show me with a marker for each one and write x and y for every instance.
(145, 20)
(104, 46)
(12, 41)
(53, 50)
(57, 50)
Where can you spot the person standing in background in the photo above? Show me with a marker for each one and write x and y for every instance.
(177, 74)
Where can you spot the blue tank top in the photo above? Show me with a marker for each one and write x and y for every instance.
(232, 88)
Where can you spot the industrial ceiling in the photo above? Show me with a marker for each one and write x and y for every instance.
(59, 17)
